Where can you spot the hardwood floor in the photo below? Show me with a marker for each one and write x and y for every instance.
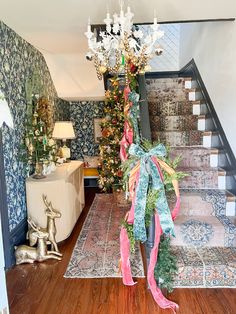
(40, 288)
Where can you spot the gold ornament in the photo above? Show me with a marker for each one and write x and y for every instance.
(31, 148)
(102, 69)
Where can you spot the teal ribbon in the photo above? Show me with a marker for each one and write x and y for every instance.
(150, 178)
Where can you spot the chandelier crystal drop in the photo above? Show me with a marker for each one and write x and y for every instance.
(122, 47)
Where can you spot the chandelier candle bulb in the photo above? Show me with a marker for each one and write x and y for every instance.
(89, 25)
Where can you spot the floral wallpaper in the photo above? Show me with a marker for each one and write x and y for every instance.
(18, 60)
(62, 110)
(82, 114)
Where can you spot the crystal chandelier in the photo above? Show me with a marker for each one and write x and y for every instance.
(122, 47)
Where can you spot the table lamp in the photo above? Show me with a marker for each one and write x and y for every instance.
(64, 130)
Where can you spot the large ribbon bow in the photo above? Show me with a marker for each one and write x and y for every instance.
(150, 175)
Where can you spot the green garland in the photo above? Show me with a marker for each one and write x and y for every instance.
(130, 232)
(166, 267)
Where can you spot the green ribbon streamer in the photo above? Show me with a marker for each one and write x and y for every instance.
(150, 178)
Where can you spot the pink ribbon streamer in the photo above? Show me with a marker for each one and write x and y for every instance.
(130, 218)
(156, 292)
(125, 252)
(175, 211)
(126, 92)
(126, 140)
(125, 261)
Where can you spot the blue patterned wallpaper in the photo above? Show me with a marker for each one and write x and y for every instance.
(62, 110)
(82, 114)
(18, 60)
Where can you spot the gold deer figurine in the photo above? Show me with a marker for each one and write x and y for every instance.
(51, 214)
(28, 254)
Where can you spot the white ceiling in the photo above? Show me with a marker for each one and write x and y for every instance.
(56, 28)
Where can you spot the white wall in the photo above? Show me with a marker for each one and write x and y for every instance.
(74, 77)
(213, 47)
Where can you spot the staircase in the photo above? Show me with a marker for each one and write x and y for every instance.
(205, 228)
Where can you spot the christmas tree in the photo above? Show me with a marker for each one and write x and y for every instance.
(112, 131)
(39, 147)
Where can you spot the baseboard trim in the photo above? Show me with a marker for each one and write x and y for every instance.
(17, 237)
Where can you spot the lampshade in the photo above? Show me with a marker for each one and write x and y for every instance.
(63, 130)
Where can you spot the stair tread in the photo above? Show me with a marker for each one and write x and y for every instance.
(185, 114)
(209, 149)
(186, 102)
(232, 220)
(201, 169)
(212, 219)
(230, 196)
(189, 90)
(176, 131)
(167, 79)
(205, 133)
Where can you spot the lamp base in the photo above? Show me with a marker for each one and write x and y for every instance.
(65, 152)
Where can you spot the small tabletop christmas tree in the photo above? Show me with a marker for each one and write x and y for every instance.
(40, 147)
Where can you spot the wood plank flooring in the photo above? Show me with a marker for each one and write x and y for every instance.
(41, 289)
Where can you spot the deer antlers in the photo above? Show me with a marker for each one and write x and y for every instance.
(33, 225)
(48, 204)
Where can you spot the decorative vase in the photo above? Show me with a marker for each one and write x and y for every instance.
(119, 195)
(38, 174)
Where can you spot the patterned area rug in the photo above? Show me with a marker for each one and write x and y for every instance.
(205, 267)
(97, 250)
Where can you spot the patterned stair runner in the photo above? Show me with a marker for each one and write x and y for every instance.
(205, 237)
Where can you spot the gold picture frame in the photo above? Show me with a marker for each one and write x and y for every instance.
(97, 129)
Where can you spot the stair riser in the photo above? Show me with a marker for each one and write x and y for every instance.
(193, 96)
(174, 123)
(204, 231)
(168, 95)
(230, 210)
(190, 84)
(169, 109)
(178, 138)
(203, 180)
(194, 157)
(211, 141)
(199, 108)
(216, 239)
(230, 183)
(163, 83)
(204, 203)
(157, 108)
(178, 123)
(192, 204)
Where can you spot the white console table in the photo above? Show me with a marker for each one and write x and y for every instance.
(65, 189)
